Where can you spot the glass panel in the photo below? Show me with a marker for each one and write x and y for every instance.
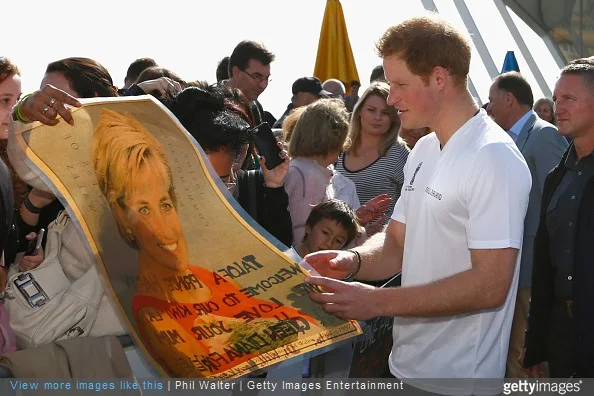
(539, 50)
(478, 72)
(498, 39)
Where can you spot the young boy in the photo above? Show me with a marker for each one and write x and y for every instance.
(331, 225)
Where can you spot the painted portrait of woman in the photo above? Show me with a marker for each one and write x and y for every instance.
(194, 331)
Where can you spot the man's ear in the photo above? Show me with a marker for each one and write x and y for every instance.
(234, 71)
(509, 98)
(440, 77)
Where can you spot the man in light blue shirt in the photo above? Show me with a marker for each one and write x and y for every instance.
(541, 145)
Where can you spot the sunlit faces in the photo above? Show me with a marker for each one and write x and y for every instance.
(253, 80)
(573, 106)
(326, 234)
(545, 112)
(415, 100)
(10, 92)
(59, 81)
(375, 116)
(151, 217)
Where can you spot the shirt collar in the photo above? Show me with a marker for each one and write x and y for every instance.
(519, 125)
(572, 161)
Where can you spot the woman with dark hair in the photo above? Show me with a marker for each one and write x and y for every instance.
(63, 81)
(80, 77)
(220, 120)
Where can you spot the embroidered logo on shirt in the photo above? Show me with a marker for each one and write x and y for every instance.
(412, 180)
(433, 193)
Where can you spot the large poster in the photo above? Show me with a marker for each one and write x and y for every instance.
(203, 292)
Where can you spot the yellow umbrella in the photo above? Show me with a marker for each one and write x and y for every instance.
(335, 56)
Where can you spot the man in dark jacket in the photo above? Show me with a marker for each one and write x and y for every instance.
(561, 318)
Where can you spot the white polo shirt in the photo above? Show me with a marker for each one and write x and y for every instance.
(473, 194)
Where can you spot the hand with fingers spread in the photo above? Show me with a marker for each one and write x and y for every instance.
(164, 85)
(336, 264)
(373, 209)
(45, 105)
(375, 226)
(28, 263)
(275, 177)
(345, 300)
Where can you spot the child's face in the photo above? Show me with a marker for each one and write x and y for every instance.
(326, 234)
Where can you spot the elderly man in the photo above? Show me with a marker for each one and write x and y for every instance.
(336, 87)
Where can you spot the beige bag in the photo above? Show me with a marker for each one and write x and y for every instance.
(62, 297)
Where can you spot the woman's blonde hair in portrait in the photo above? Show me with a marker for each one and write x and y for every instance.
(322, 128)
(122, 150)
(381, 89)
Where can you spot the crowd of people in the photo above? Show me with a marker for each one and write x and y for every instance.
(487, 213)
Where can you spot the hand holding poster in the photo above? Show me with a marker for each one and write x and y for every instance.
(205, 294)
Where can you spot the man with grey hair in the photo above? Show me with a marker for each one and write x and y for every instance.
(336, 87)
(561, 317)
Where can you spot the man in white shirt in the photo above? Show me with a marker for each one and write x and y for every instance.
(510, 106)
(455, 232)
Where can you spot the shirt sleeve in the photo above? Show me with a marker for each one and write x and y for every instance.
(496, 193)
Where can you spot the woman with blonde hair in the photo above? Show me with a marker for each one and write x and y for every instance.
(376, 157)
(134, 175)
(545, 109)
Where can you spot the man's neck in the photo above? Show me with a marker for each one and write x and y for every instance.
(516, 113)
(231, 83)
(584, 145)
(457, 110)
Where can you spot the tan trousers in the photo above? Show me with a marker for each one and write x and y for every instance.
(516, 339)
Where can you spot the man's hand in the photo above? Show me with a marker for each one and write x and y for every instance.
(345, 300)
(373, 209)
(275, 177)
(164, 85)
(335, 264)
(375, 226)
(46, 104)
(539, 370)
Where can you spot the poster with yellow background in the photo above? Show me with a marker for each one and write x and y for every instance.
(203, 291)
